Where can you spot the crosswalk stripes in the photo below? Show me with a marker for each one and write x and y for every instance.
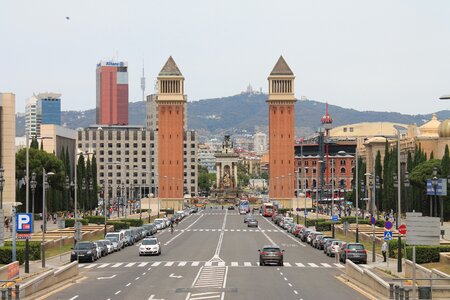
(226, 230)
(206, 264)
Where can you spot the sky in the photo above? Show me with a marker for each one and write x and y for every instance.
(366, 55)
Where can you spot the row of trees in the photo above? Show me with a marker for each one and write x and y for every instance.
(419, 168)
(60, 194)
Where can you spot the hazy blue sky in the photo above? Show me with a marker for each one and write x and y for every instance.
(366, 55)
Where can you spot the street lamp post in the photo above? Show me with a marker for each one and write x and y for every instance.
(298, 192)
(332, 195)
(371, 183)
(356, 193)
(44, 216)
(2, 184)
(104, 205)
(33, 185)
(434, 181)
(406, 183)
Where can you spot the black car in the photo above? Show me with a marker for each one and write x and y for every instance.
(271, 254)
(83, 251)
(231, 207)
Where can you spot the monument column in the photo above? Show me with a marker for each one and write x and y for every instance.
(171, 101)
(281, 132)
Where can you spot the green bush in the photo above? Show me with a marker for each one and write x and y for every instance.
(6, 254)
(133, 222)
(95, 219)
(312, 222)
(71, 222)
(426, 254)
(349, 219)
(380, 223)
(324, 226)
(118, 225)
(282, 211)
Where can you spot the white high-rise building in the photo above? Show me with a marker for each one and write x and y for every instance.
(32, 127)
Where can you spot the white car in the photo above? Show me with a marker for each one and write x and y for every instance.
(109, 246)
(150, 246)
(160, 223)
(98, 250)
(114, 243)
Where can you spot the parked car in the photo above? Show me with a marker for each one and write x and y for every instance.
(321, 242)
(310, 236)
(335, 245)
(252, 222)
(316, 240)
(297, 229)
(304, 232)
(160, 224)
(326, 244)
(231, 207)
(354, 252)
(103, 248)
(120, 238)
(98, 250)
(128, 238)
(271, 254)
(150, 246)
(114, 242)
(84, 251)
(109, 245)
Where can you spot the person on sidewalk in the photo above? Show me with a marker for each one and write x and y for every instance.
(383, 250)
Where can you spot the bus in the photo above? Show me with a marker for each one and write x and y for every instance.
(268, 209)
(244, 207)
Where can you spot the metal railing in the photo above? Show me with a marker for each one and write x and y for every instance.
(402, 292)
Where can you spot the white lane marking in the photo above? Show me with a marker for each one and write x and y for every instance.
(128, 284)
(208, 264)
(290, 284)
(144, 273)
(200, 230)
(286, 264)
(285, 278)
(116, 293)
(182, 263)
(137, 278)
(195, 263)
(207, 297)
(238, 230)
(110, 277)
(169, 241)
(338, 265)
(234, 264)
(313, 265)
(169, 264)
(90, 266)
(149, 269)
(175, 276)
(221, 264)
(231, 229)
(116, 265)
(155, 264)
(299, 265)
(143, 264)
(129, 265)
(247, 264)
(103, 266)
(326, 265)
(74, 297)
(295, 292)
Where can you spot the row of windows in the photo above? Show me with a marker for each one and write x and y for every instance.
(342, 162)
(126, 134)
(333, 170)
(281, 86)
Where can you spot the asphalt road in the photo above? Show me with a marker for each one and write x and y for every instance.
(212, 255)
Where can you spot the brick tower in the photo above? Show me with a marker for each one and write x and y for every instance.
(171, 100)
(281, 133)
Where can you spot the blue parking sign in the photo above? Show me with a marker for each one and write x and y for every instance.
(388, 235)
(24, 223)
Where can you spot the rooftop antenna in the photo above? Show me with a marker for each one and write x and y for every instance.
(143, 81)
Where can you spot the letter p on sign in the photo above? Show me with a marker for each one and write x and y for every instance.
(24, 223)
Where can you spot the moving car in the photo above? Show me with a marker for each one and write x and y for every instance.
(84, 251)
(150, 246)
(247, 217)
(354, 252)
(252, 222)
(231, 207)
(271, 254)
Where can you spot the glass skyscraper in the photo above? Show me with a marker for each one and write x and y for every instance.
(49, 108)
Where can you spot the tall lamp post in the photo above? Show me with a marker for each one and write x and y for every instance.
(371, 184)
(406, 184)
(102, 194)
(298, 194)
(33, 185)
(44, 216)
(2, 184)
(434, 181)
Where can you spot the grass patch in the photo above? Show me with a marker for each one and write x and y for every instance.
(443, 267)
(367, 245)
(55, 251)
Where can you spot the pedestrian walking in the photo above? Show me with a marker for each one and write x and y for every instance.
(383, 250)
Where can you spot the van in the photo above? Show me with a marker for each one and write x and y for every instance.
(120, 238)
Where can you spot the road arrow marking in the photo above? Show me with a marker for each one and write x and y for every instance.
(151, 298)
(110, 277)
(175, 276)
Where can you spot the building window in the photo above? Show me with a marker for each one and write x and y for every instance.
(342, 170)
(345, 129)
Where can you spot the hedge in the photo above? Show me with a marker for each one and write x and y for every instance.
(6, 254)
(118, 225)
(312, 222)
(71, 222)
(324, 226)
(95, 219)
(133, 222)
(424, 254)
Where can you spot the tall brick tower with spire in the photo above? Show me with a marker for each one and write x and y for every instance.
(281, 133)
(171, 100)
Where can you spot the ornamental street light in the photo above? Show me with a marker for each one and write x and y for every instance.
(434, 181)
(2, 184)
(33, 185)
(371, 183)
(44, 212)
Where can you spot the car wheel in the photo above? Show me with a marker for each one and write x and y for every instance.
(261, 262)
(92, 258)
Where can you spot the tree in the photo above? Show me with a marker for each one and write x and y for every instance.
(94, 180)
(34, 143)
(81, 173)
(424, 171)
(243, 178)
(445, 163)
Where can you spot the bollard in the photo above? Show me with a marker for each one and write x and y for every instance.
(17, 292)
(401, 292)
(407, 293)
(3, 294)
(391, 291)
(397, 292)
(9, 293)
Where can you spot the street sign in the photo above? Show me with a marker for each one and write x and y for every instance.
(23, 236)
(388, 235)
(373, 221)
(388, 225)
(334, 218)
(24, 223)
(297, 209)
(441, 188)
(402, 229)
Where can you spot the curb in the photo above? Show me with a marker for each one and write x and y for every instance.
(365, 291)
(43, 294)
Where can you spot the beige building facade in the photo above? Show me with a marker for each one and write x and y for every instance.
(55, 138)
(7, 148)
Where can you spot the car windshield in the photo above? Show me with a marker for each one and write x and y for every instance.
(271, 249)
(355, 247)
(112, 238)
(83, 246)
(107, 242)
(149, 242)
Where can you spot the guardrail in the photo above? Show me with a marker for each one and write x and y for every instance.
(402, 291)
